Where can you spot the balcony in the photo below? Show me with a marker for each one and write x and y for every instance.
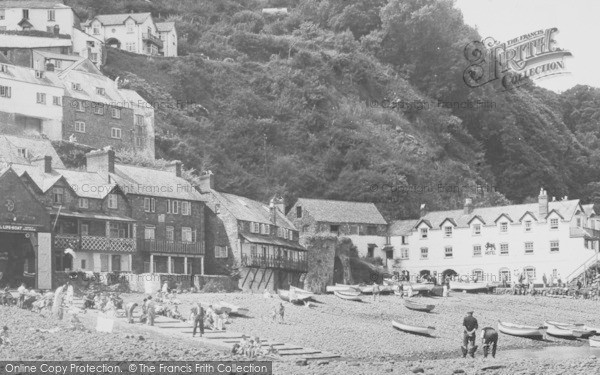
(270, 261)
(147, 37)
(589, 233)
(94, 243)
(172, 247)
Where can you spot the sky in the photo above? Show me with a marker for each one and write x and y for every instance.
(578, 23)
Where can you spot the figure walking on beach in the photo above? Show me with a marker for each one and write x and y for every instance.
(375, 292)
(470, 324)
(57, 308)
(198, 313)
(489, 340)
(281, 312)
(151, 307)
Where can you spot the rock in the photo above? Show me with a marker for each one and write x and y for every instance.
(59, 349)
(417, 370)
(458, 371)
(141, 338)
(302, 362)
(321, 363)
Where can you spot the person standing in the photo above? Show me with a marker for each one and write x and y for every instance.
(198, 313)
(545, 281)
(489, 340)
(165, 288)
(470, 329)
(69, 295)
(129, 309)
(22, 290)
(559, 279)
(281, 312)
(376, 292)
(151, 307)
(57, 308)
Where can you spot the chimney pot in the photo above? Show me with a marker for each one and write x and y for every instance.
(175, 167)
(468, 206)
(543, 203)
(207, 182)
(48, 164)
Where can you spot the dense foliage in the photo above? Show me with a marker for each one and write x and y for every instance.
(280, 104)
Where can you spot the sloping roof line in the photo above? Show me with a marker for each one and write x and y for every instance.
(333, 211)
(118, 19)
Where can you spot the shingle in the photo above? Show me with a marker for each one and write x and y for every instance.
(250, 210)
(331, 211)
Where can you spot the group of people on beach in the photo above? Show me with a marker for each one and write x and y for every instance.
(489, 338)
(252, 347)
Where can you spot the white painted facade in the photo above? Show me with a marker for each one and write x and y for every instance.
(169, 39)
(42, 19)
(88, 46)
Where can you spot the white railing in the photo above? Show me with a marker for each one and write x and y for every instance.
(579, 270)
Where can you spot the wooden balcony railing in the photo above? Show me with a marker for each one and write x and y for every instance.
(94, 243)
(270, 261)
(172, 247)
(152, 39)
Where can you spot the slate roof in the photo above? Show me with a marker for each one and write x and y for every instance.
(154, 183)
(89, 215)
(9, 146)
(331, 211)
(119, 19)
(565, 208)
(9, 40)
(402, 227)
(589, 209)
(57, 56)
(250, 210)
(276, 241)
(23, 74)
(165, 26)
(42, 180)
(35, 4)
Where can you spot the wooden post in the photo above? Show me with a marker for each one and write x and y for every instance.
(169, 268)
(151, 263)
(185, 266)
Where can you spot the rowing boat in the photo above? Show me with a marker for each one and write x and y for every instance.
(335, 288)
(569, 332)
(412, 305)
(285, 295)
(578, 327)
(234, 309)
(521, 330)
(457, 285)
(302, 292)
(594, 342)
(427, 331)
(348, 295)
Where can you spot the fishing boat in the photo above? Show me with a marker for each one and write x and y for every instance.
(285, 295)
(427, 331)
(521, 330)
(302, 292)
(594, 342)
(567, 332)
(234, 309)
(348, 295)
(578, 327)
(422, 287)
(412, 305)
(592, 328)
(336, 288)
(457, 285)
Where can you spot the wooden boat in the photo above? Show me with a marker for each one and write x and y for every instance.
(592, 328)
(348, 285)
(457, 285)
(220, 309)
(285, 295)
(335, 288)
(412, 305)
(422, 287)
(427, 331)
(234, 309)
(348, 295)
(578, 328)
(302, 292)
(594, 342)
(521, 330)
(563, 331)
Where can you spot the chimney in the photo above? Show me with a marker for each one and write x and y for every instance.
(273, 211)
(280, 204)
(101, 161)
(468, 206)
(207, 182)
(543, 203)
(174, 167)
(44, 162)
(423, 211)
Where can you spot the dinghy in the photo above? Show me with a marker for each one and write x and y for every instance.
(234, 309)
(348, 295)
(220, 309)
(521, 330)
(302, 292)
(427, 331)
(594, 342)
(567, 332)
(285, 295)
(412, 305)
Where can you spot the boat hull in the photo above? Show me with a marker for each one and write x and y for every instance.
(302, 293)
(568, 332)
(418, 306)
(454, 285)
(426, 331)
(332, 289)
(521, 330)
(349, 296)
(423, 287)
(285, 295)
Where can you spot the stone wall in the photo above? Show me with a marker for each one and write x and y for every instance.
(322, 251)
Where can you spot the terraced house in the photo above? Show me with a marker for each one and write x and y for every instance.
(254, 239)
(556, 238)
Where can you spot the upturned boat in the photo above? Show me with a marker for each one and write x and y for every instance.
(427, 331)
(294, 298)
(341, 288)
(567, 331)
(302, 292)
(521, 330)
(234, 309)
(348, 295)
(412, 305)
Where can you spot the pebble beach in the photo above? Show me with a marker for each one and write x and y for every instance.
(360, 332)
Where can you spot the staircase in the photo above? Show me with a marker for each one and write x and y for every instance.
(579, 272)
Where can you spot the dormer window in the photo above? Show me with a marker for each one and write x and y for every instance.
(476, 229)
(424, 233)
(554, 223)
(3, 68)
(528, 226)
(39, 74)
(23, 152)
(100, 91)
(503, 227)
(448, 231)
(76, 86)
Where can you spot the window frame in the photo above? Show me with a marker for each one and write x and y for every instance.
(480, 251)
(424, 254)
(112, 201)
(448, 255)
(77, 126)
(448, 229)
(424, 233)
(80, 202)
(507, 249)
(40, 98)
(150, 229)
(115, 112)
(187, 230)
(170, 229)
(476, 230)
(404, 253)
(51, 15)
(557, 247)
(114, 132)
(503, 227)
(554, 223)
(526, 246)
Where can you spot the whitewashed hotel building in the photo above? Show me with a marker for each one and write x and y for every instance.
(554, 238)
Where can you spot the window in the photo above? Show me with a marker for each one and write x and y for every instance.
(83, 264)
(94, 57)
(578, 222)
(115, 112)
(99, 109)
(528, 226)
(149, 205)
(40, 98)
(503, 227)
(76, 86)
(115, 133)
(39, 74)
(186, 234)
(370, 251)
(503, 249)
(424, 233)
(80, 126)
(255, 227)
(528, 247)
(58, 64)
(116, 231)
(476, 229)
(57, 100)
(139, 120)
(170, 234)
(265, 229)
(354, 229)
(529, 272)
(554, 223)
(90, 43)
(79, 106)
(85, 229)
(298, 212)
(371, 230)
(504, 274)
(404, 253)
(130, 27)
(130, 47)
(51, 15)
(334, 228)
(186, 208)
(424, 253)
(448, 252)
(100, 91)
(220, 251)
(103, 262)
(58, 195)
(23, 152)
(5, 92)
(96, 30)
(476, 250)
(174, 207)
(477, 274)
(112, 201)
(447, 231)
(83, 203)
(26, 13)
(554, 246)
(149, 233)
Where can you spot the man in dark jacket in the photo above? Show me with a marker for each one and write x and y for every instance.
(489, 338)
(470, 329)
(198, 313)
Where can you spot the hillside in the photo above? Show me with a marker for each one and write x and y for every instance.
(281, 104)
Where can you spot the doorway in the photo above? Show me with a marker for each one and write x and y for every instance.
(17, 260)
